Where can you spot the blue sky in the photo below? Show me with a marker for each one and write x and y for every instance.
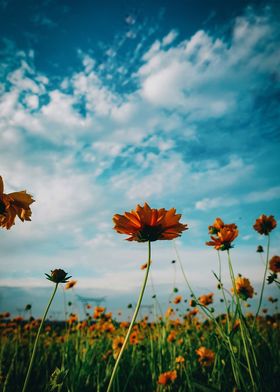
(106, 105)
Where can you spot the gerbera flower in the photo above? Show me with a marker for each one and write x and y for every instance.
(167, 377)
(243, 288)
(12, 205)
(205, 356)
(265, 224)
(149, 224)
(206, 299)
(274, 264)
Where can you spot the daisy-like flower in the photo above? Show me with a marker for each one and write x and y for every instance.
(205, 356)
(117, 345)
(243, 288)
(12, 205)
(265, 224)
(167, 377)
(70, 284)
(274, 264)
(206, 299)
(225, 235)
(149, 224)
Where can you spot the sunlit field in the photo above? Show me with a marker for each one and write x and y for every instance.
(194, 349)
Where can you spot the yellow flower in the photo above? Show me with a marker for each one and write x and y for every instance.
(12, 205)
(149, 224)
(243, 288)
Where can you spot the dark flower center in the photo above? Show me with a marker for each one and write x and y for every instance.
(2, 208)
(149, 233)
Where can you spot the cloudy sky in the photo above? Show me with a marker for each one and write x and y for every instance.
(108, 104)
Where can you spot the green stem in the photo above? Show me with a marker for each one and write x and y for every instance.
(263, 283)
(243, 332)
(36, 340)
(133, 319)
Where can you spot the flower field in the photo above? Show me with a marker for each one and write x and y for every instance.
(194, 350)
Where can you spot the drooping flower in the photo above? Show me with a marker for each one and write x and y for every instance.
(167, 378)
(149, 224)
(274, 264)
(70, 284)
(12, 205)
(265, 224)
(206, 299)
(205, 356)
(243, 288)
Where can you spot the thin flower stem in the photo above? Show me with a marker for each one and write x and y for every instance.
(37, 338)
(132, 320)
(243, 335)
(263, 283)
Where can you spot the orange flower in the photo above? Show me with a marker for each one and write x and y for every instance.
(167, 377)
(274, 264)
(217, 225)
(70, 284)
(169, 312)
(224, 236)
(12, 205)
(206, 356)
(206, 299)
(180, 359)
(172, 336)
(149, 224)
(133, 338)
(265, 224)
(177, 299)
(243, 288)
(117, 345)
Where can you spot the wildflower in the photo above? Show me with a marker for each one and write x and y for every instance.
(180, 359)
(133, 338)
(206, 299)
(149, 224)
(206, 356)
(70, 284)
(192, 303)
(117, 345)
(225, 234)
(171, 337)
(177, 299)
(243, 288)
(12, 205)
(259, 249)
(167, 377)
(274, 264)
(98, 310)
(58, 276)
(265, 224)
(169, 312)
